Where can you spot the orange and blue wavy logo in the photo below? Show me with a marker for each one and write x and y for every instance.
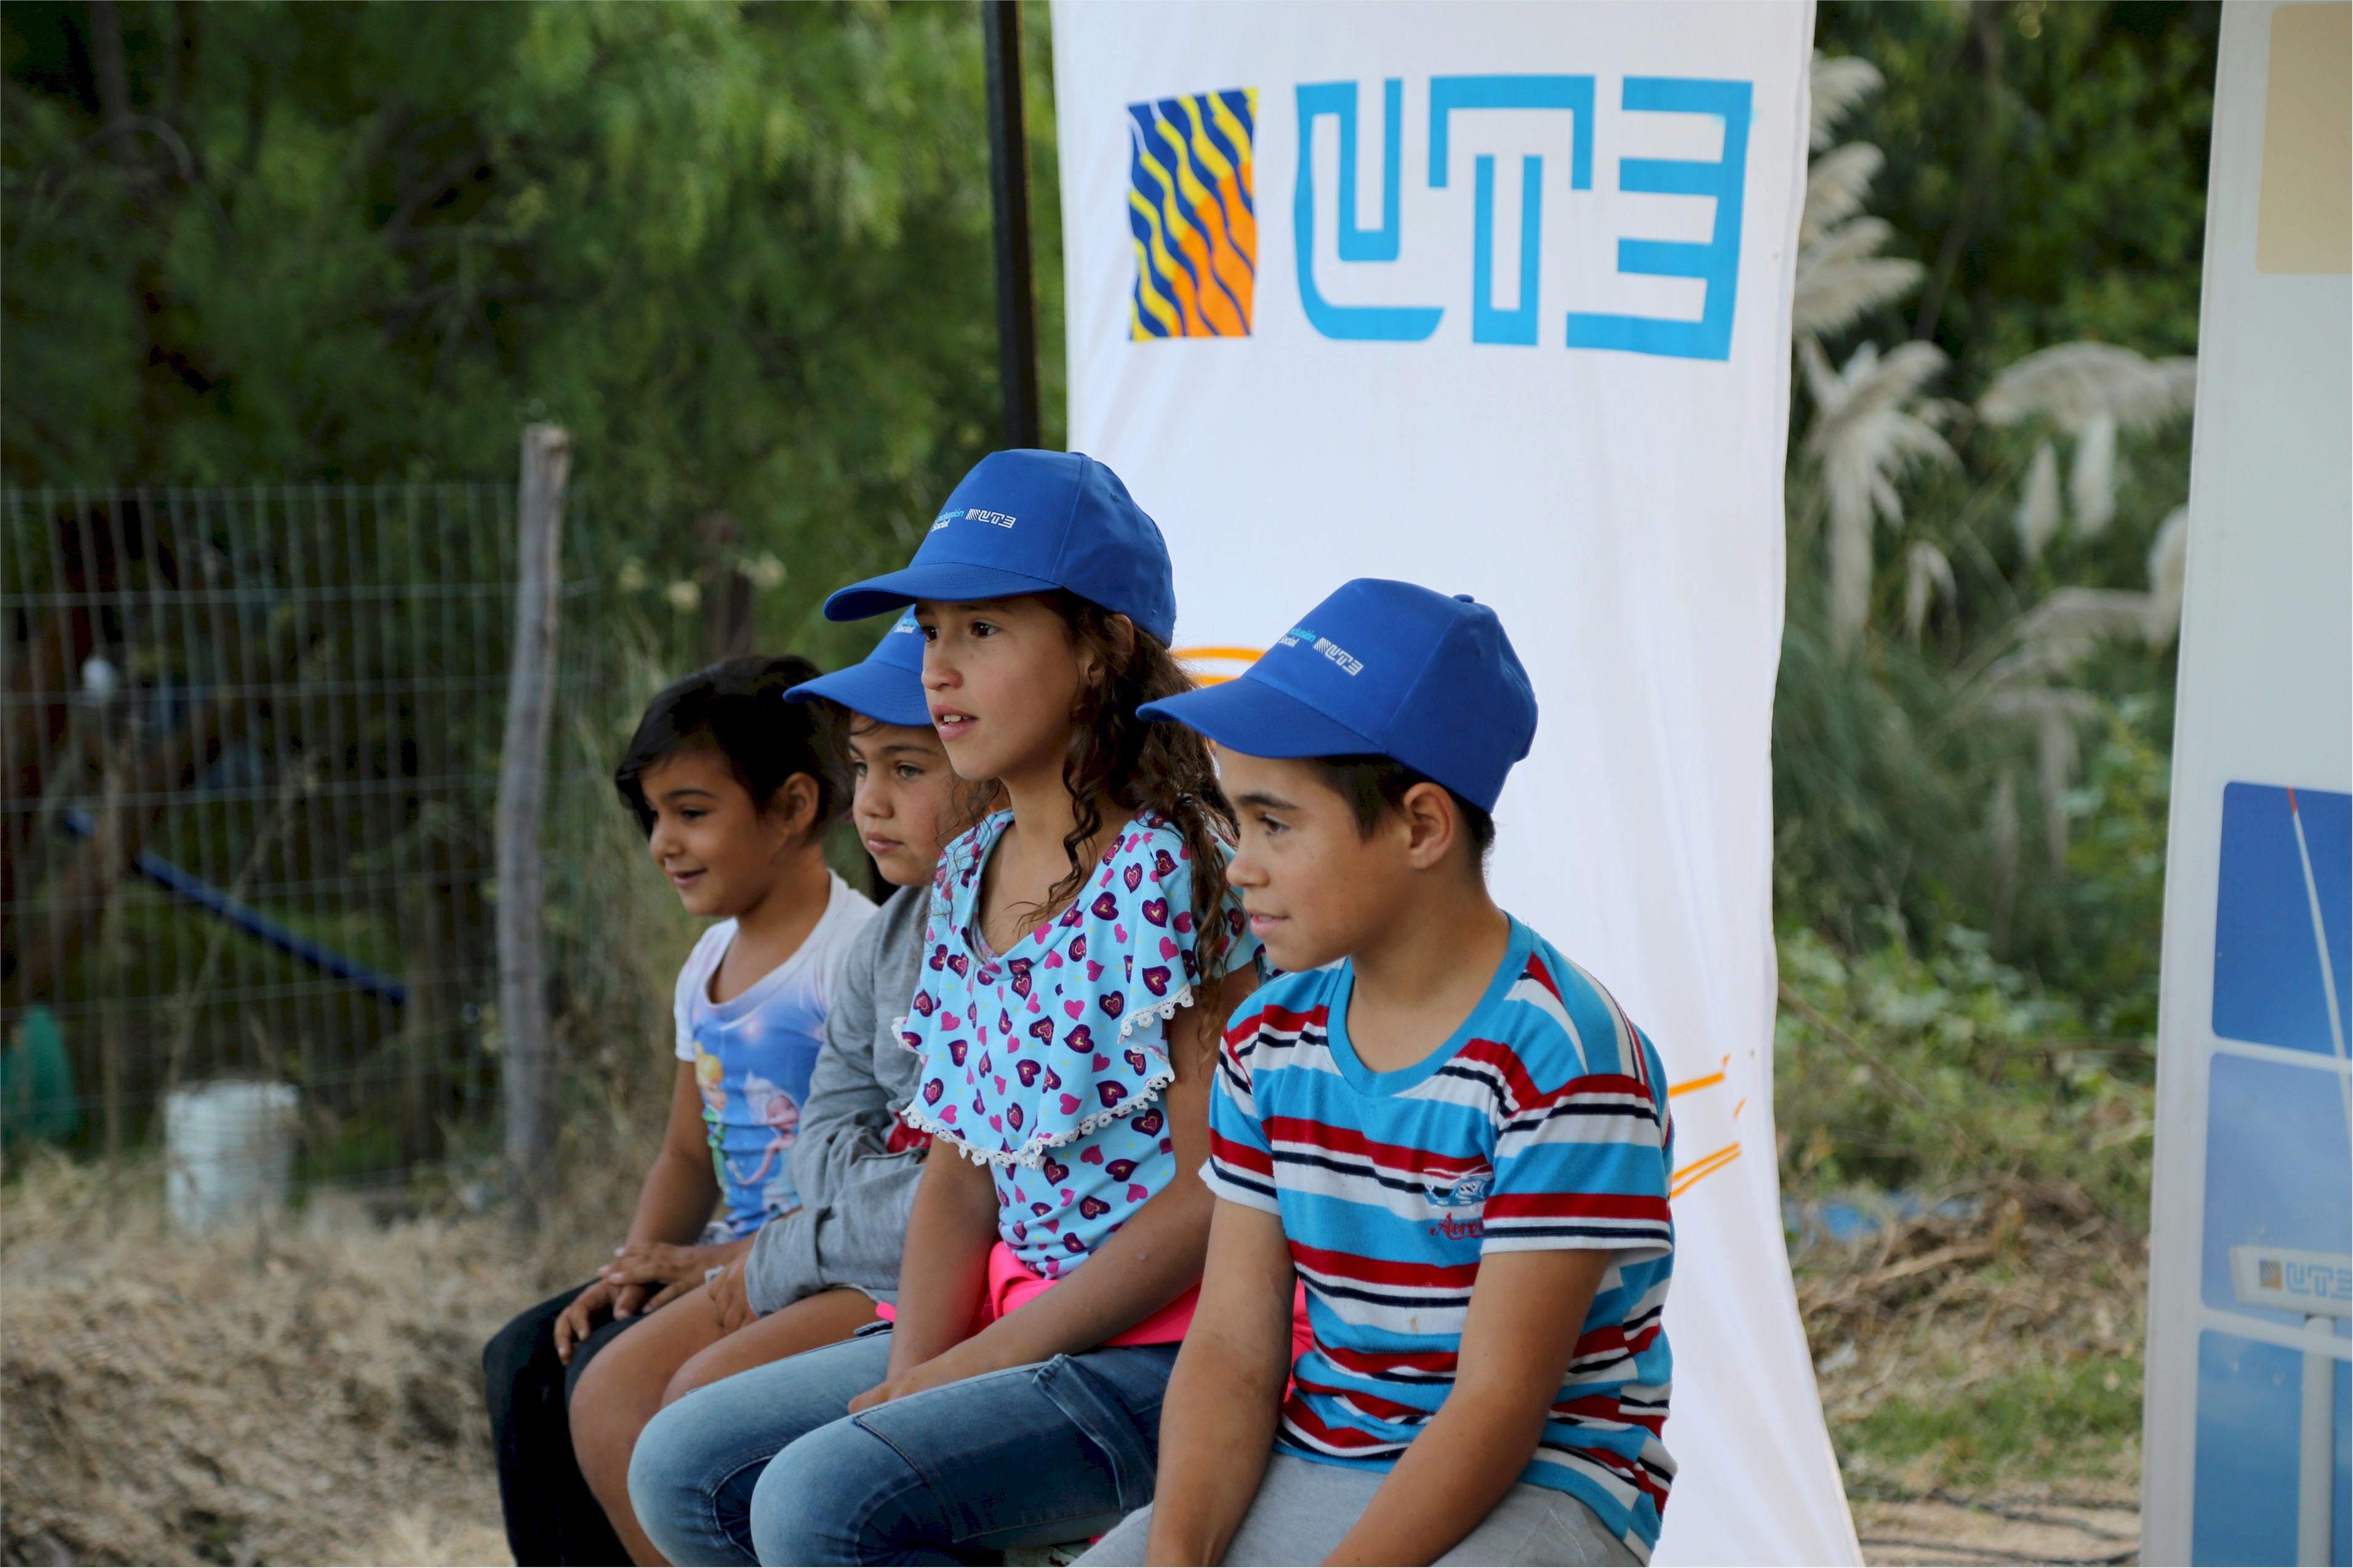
(1189, 207)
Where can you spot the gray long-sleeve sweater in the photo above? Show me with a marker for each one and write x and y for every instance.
(855, 1197)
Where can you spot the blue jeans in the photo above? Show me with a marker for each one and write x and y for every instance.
(769, 1467)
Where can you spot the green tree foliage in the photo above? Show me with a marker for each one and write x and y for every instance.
(2046, 162)
(2046, 167)
(742, 251)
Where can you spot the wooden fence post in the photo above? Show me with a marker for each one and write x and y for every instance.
(527, 1065)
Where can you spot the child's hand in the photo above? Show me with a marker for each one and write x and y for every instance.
(663, 1268)
(731, 1300)
(950, 1366)
(579, 1319)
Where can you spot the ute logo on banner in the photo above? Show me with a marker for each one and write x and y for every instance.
(1403, 230)
(1193, 211)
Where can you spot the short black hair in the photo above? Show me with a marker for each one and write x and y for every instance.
(1375, 786)
(737, 707)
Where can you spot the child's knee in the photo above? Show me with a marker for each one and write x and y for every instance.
(826, 1492)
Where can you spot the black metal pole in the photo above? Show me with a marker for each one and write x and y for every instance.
(1008, 180)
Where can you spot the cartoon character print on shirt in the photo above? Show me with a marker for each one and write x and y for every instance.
(777, 1111)
(711, 1081)
(1048, 1062)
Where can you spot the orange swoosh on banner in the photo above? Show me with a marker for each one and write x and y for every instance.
(1699, 1169)
(1222, 655)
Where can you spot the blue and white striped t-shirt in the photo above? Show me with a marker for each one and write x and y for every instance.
(1542, 1125)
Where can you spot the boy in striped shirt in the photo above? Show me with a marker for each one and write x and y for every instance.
(1449, 1131)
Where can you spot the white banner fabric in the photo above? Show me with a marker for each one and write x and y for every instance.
(1496, 299)
(2249, 1376)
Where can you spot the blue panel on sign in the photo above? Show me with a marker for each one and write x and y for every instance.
(2250, 1405)
(2285, 899)
(2278, 1172)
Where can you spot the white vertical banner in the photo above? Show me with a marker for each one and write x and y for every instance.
(1495, 298)
(2250, 1249)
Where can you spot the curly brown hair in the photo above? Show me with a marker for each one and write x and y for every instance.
(1117, 759)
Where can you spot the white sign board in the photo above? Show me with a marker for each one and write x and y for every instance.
(1496, 299)
(2243, 1453)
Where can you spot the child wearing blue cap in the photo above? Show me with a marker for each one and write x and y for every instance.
(1081, 948)
(812, 1276)
(1444, 1127)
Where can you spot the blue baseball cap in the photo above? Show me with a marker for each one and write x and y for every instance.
(1027, 521)
(1380, 667)
(887, 684)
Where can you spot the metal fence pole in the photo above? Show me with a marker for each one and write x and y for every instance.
(1008, 178)
(527, 1063)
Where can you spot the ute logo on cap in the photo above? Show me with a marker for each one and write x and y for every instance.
(1348, 662)
(975, 514)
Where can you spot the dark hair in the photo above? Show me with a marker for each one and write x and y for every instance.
(1116, 758)
(1375, 786)
(737, 708)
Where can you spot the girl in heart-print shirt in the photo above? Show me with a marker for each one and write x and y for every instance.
(1082, 955)
(1046, 1062)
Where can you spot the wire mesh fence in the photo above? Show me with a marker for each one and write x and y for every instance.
(252, 745)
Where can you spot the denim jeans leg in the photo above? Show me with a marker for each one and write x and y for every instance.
(1033, 1454)
(693, 1473)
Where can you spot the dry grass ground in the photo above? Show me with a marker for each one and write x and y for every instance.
(1981, 1375)
(313, 1395)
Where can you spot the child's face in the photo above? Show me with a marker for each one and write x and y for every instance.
(906, 806)
(1315, 888)
(720, 851)
(1003, 677)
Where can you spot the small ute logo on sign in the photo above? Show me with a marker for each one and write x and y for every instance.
(1190, 208)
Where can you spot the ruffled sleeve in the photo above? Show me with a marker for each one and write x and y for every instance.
(1068, 1032)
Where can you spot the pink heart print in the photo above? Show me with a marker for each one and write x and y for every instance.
(1075, 1009)
(1094, 971)
(1184, 921)
(1094, 1155)
(1070, 1103)
(1137, 1192)
(1168, 949)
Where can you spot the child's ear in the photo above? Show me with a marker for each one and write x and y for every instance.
(1430, 822)
(793, 805)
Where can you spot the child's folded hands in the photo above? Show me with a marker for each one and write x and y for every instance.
(665, 1268)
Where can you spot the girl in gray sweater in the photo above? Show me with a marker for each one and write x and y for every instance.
(813, 1276)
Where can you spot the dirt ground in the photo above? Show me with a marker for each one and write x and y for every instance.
(312, 1395)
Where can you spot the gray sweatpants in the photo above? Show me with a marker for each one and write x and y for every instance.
(1303, 1509)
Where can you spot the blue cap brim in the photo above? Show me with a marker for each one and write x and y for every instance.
(948, 582)
(1253, 717)
(891, 696)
